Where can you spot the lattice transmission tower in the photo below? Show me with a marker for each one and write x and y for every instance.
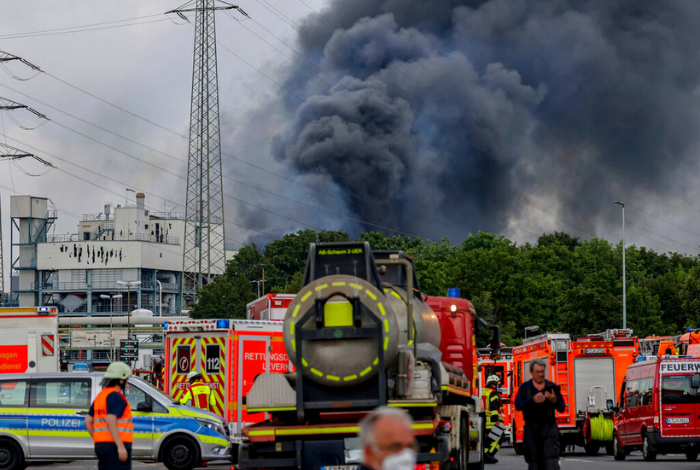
(204, 254)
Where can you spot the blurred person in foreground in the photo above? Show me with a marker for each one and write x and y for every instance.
(387, 440)
(538, 399)
(109, 420)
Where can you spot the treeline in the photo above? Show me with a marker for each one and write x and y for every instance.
(559, 284)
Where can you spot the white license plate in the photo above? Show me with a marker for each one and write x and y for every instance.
(340, 467)
(677, 420)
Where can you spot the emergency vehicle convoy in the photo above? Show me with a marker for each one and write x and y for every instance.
(229, 354)
(357, 343)
(503, 368)
(590, 372)
(658, 408)
(29, 340)
(42, 419)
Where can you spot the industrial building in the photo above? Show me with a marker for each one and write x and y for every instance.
(122, 259)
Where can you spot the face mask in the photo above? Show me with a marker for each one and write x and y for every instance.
(404, 460)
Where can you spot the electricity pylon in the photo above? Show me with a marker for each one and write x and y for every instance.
(203, 252)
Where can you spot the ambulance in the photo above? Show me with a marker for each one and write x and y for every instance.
(229, 354)
(502, 367)
(658, 408)
(42, 419)
(29, 340)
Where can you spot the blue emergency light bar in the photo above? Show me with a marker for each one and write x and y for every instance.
(222, 324)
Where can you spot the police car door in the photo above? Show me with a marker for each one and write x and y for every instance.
(56, 418)
(143, 420)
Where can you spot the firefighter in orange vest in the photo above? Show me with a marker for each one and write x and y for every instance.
(199, 394)
(109, 420)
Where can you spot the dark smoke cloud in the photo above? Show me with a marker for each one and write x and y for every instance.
(438, 118)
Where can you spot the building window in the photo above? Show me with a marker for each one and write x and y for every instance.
(86, 236)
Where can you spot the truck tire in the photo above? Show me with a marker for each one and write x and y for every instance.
(461, 456)
(618, 451)
(691, 455)
(591, 448)
(180, 453)
(11, 455)
(480, 464)
(610, 448)
(647, 454)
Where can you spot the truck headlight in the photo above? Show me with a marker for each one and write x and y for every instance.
(213, 425)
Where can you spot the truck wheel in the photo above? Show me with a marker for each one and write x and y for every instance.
(474, 465)
(691, 455)
(461, 461)
(618, 451)
(610, 448)
(648, 454)
(11, 455)
(591, 448)
(180, 453)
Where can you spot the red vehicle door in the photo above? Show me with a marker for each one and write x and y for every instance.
(678, 414)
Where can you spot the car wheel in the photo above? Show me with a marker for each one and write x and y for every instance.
(180, 453)
(11, 456)
(648, 454)
(691, 455)
(618, 451)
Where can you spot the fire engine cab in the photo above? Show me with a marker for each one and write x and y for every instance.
(229, 354)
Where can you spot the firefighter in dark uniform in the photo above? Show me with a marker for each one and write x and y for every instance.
(491, 399)
(538, 399)
(109, 420)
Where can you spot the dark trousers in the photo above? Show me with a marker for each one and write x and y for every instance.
(494, 437)
(541, 443)
(108, 456)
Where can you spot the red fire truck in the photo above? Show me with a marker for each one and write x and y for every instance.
(269, 307)
(502, 367)
(553, 349)
(590, 371)
(229, 354)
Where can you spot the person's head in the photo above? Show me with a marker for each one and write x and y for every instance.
(537, 371)
(387, 439)
(192, 376)
(116, 375)
(492, 381)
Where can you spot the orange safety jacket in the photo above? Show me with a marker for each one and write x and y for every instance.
(203, 398)
(124, 423)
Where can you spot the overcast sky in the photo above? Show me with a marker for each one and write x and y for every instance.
(444, 119)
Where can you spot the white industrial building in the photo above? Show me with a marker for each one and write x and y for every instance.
(125, 251)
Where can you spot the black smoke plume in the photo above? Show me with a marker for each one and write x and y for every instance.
(445, 117)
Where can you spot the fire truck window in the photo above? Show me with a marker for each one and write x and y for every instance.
(676, 389)
(623, 394)
(647, 391)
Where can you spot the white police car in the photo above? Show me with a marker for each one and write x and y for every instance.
(42, 418)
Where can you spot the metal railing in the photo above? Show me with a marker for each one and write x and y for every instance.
(96, 217)
(141, 237)
(167, 215)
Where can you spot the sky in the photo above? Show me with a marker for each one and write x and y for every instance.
(431, 119)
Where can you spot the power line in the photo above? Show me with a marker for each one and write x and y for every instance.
(84, 28)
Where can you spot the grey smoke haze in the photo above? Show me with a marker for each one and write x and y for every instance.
(442, 118)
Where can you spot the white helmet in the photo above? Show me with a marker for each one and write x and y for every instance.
(492, 379)
(193, 376)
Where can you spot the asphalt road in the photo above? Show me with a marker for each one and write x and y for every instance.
(507, 460)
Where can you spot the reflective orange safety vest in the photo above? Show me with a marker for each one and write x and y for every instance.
(124, 422)
(200, 394)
